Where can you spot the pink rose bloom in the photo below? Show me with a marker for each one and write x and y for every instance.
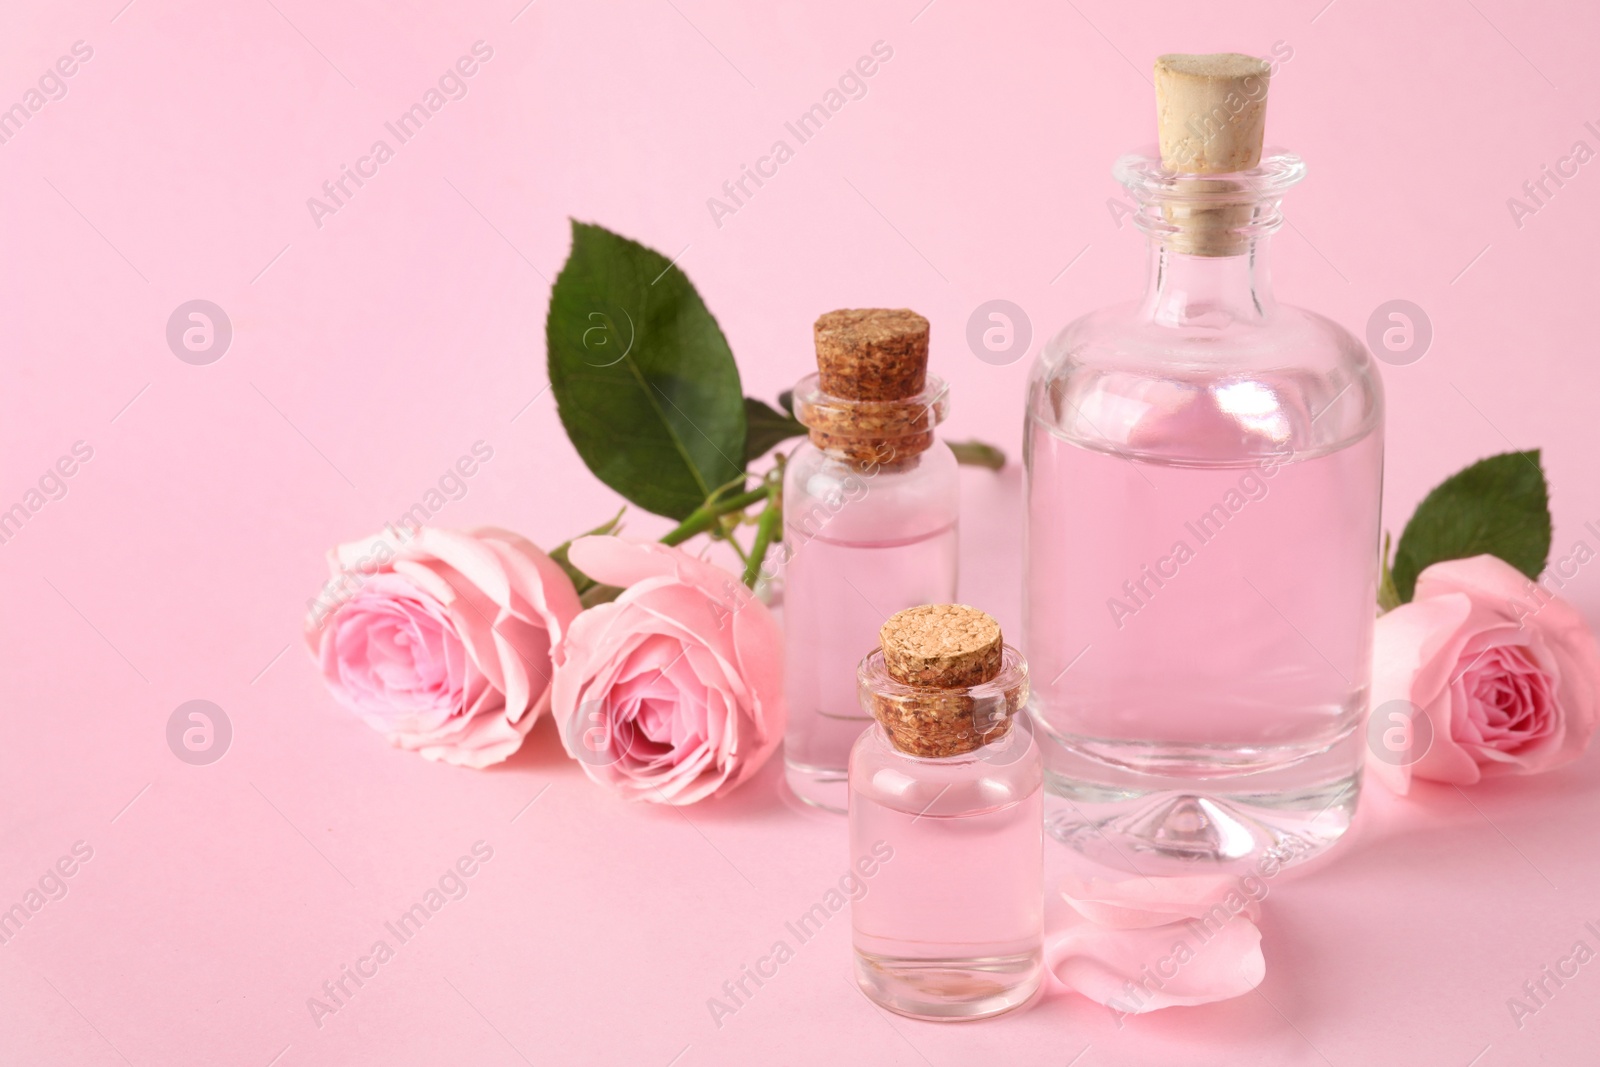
(441, 641)
(1506, 675)
(674, 691)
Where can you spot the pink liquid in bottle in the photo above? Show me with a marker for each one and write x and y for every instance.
(861, 541)
(951, 924)
(1204, 478)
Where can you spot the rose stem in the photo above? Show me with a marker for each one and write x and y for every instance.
(703, 517)
(766, 526)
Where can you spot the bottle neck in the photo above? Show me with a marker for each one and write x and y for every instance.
(871, 433)
(1207, 291)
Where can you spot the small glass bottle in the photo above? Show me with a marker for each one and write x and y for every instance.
(1204, 477)
(947, 821)
(870, 504)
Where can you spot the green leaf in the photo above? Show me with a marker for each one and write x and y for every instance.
(767, 427)
(643, 378)
(786, 400)
(977, 454)
(1388, 595)
(1499, 505)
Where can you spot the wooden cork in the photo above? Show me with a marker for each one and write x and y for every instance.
(941, 646)
(872, 353)
(1211, 115)
(942, 650)
(1211, 112)
(876, 358)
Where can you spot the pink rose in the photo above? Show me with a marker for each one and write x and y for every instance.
(1505, 677)
(674, 691)
(441, 641)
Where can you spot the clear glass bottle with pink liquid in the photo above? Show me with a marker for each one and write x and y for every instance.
(946, 811)
(1204, 470)
(870, 504)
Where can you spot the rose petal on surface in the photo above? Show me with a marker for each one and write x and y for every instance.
(1133, 971)
(1140, 903)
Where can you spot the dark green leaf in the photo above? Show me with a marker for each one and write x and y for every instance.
(786, 400)
(1499, 505)
(644, 381)
(767, 427)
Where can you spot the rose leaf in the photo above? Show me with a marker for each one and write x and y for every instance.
(768, 427)
(978, 454)
(644, 381)
(1499, 506)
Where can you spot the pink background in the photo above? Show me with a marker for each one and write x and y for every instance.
(369, 353)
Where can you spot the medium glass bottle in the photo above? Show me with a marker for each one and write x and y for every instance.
(946, 811)
(870, 504)
(1204, 471)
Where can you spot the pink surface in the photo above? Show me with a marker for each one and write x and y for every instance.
(371, 352)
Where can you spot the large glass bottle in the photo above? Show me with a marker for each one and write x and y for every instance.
(1204, 470)
(870, 504)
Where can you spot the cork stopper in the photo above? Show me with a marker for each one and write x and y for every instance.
(939, 660)
(876, 360)
(872, 353)
(941, 646)
(1211, 115)
(1211, 112)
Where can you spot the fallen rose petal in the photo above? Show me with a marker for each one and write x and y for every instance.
(1176, 965)
(1139, 903)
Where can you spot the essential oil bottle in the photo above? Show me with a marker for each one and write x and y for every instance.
(1204, 470)
(949, 785)
(870, 504)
